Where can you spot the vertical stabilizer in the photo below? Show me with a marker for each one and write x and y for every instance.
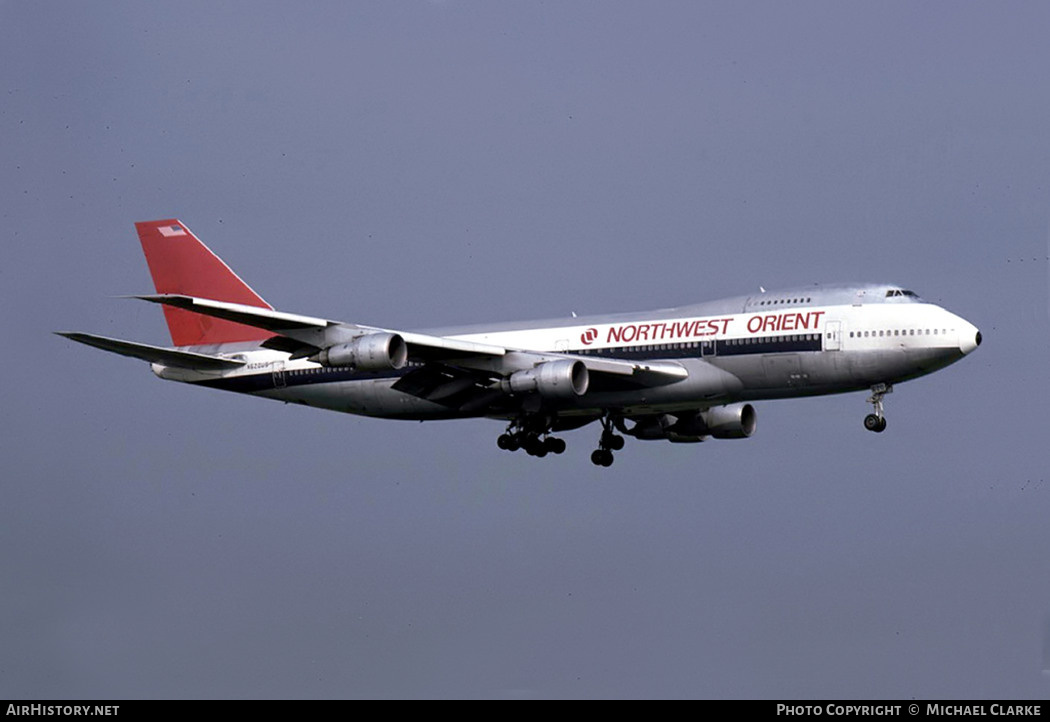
(180, 263)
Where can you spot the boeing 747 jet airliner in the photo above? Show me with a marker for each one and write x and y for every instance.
(679, 374)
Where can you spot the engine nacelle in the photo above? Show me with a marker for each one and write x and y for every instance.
(737, 421)
(554, 380)
(371, 352)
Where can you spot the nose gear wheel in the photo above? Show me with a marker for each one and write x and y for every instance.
(877, 421)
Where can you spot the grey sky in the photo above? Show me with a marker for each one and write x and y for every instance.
(416, 164)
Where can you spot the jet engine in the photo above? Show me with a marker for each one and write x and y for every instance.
(737, 421)
(553, 379)
(371, 352)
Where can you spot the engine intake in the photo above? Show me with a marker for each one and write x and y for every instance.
(553, 379)
(372, 352)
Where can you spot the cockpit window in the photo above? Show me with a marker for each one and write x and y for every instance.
(900, 292)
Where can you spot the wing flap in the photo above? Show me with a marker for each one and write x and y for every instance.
(450, 386)
(655, 372)
(424, 347)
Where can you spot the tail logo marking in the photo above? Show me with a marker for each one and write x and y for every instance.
(169, 231)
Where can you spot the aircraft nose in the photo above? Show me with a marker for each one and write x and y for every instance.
(969, 338)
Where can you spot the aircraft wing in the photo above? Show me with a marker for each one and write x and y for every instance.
(155, 354)
(303, 336)
(317, 333)
(265, 318)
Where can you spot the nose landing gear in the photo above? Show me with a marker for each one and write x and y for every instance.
(877, 421)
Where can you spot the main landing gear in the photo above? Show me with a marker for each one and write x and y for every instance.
(532, 433)
(877, 421)
(533, 437)
(607, 444)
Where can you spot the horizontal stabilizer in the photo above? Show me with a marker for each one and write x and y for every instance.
(155, 354)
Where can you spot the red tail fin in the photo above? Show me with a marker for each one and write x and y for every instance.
(180, 263)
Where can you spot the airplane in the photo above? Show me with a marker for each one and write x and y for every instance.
(681, 374)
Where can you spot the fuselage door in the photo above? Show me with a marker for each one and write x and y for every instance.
(833, 336)
(279, 379)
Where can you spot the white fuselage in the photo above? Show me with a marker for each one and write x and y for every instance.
(800, 342)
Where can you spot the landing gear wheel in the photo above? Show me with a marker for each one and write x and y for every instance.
(508, 442)
(608, 442)
(874, 423)
(534, 446)
(554, 445)
(877, 422)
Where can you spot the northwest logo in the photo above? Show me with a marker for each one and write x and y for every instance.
(588, 336)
